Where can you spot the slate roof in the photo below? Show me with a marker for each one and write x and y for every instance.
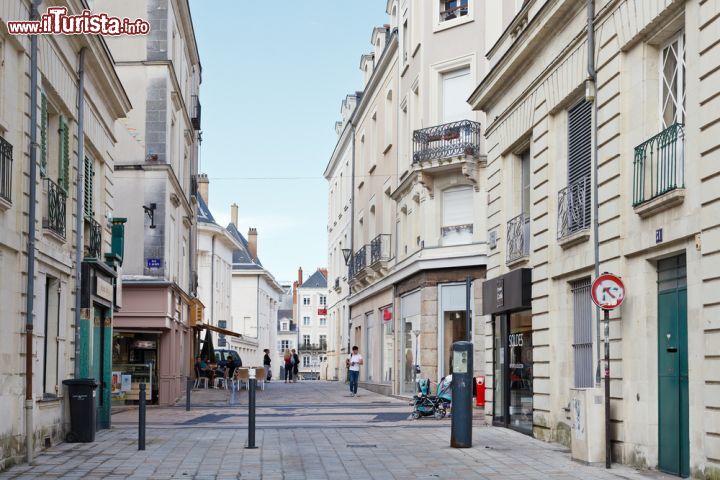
(282, 313)
(204, 214)
(316, 280)
(241, 257)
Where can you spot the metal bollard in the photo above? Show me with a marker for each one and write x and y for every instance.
(251, 408)
(141, 419)
(189, 386)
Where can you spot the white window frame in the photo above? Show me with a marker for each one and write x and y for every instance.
(306, 321)
(679, 95)
(439, 24)
(323, 322)
(306, 300)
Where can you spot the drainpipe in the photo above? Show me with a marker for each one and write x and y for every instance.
(352, 232)
(212, 281)
(30, 288)
(79, 206)
(590, 93)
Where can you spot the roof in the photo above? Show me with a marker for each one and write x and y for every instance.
(204, 214)
(316, 280)
(282, 313)
(242, 260)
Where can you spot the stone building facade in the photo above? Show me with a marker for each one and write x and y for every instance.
(642, 127)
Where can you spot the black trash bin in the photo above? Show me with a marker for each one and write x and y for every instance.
(82, 409)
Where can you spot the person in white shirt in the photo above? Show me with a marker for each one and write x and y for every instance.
(353, 362)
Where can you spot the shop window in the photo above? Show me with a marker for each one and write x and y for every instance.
(388, 345)
(410, 321)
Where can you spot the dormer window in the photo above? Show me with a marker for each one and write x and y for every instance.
(451, 9)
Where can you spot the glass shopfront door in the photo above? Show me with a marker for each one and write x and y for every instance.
(513, 387)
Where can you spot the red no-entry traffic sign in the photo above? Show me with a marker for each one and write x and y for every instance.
(608, 291)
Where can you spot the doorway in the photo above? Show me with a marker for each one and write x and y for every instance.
(673, 416)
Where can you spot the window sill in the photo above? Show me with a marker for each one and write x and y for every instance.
(5, 204)
(455, 22)
(518, 261)
(52, 234)
(574, 238)
(659, 204)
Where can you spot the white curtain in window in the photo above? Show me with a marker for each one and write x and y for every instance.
(456, 88)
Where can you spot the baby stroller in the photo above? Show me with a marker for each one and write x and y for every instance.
(425, 405)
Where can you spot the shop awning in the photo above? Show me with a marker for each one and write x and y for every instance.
(217, 329)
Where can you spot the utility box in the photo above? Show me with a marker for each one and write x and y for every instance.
(587, 434)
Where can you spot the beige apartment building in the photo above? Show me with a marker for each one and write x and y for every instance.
(77, 99)
(156, 182)
(418, 191)
(633, 109)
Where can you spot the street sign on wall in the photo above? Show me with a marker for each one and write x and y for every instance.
(608, 291)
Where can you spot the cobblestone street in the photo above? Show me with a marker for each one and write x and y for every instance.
(308, 430)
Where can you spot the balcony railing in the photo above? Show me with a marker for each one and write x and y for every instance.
(56, 209)
(380, 249)
(447, 141)
(454, 12)
(196, 112)
(313, 347)
(659, 164)
(358, 262)
(5, 170)
(518, 237)
(94, 245)
(574, 207)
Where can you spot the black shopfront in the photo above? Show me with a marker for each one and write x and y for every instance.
(508, 299)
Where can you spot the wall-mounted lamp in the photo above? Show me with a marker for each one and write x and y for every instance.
(150, 212)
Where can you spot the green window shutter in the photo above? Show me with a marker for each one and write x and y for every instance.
(89, 182)
(43, 134)
(64, 167)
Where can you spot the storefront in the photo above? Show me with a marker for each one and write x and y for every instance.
(508, 299)
(135, 356)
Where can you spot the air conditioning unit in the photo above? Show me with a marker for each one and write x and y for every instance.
(587, 435)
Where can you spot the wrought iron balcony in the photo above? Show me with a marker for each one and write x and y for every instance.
(574, 207)
(5, 170)
(94, 246)
(358, 262)
(447, 141)
(313, 347)
(56, 208)
(518, 238)
(380, 249)
(659, 164)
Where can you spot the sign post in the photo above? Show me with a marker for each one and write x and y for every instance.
(608, 292)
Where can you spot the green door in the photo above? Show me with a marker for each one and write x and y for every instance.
(673, 431)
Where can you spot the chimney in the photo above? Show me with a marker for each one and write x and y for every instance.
(324, 272)
(204, 187)
(300, 276)
(234, 214)
(252, 243)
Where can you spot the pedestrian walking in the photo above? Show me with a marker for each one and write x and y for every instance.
(296, 364)
(353, 363)
(266, 363)
(288, 358)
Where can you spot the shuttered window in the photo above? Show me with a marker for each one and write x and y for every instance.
(89, 183)
(64, 155)
(582, 333)
(457, 206)
(456, 88)
(580, 157)
(43, 134)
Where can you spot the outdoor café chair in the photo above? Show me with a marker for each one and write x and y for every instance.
(242, 376)
(200, 379)
(260, 376)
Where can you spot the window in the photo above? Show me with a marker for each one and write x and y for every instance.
(323, 300)
(306, 361)
(456, 88)
(389, 120)
(405, 41)
(51, 337)
(323, 341)
(451, 9)
(306, 341)
(574, 201)
(89, 181)
(284, 345)
(284, 326)
(457, 211)
(323, 322)
(525, 182)
(582, 333)
(672, 78)
(306, 300)
(306, 321)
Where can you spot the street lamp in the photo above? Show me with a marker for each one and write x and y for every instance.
(346, 255)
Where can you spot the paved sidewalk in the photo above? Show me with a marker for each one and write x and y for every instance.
(308, 430)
